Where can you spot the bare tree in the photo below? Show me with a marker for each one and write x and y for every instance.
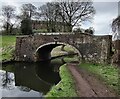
(8, 13)
(28, 10)
(73, 13)
(49, 13)
(70, 13)
(44, 12)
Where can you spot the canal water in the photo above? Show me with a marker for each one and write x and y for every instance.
(21, 79)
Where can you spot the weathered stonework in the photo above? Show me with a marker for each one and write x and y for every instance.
(116, 56)
(91, 48)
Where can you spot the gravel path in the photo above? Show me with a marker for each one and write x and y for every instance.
(87, 85)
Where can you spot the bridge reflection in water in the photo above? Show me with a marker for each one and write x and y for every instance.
(38, 77)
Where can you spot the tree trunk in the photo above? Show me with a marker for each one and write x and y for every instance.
(7, 28)
(69, 28)
(11, 29)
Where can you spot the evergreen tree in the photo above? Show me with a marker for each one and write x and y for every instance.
(26, 26)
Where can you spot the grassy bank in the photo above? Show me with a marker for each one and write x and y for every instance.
(65, 88)
(7, 47)
(109, 74)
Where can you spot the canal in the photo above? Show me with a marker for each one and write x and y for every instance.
(24, 79)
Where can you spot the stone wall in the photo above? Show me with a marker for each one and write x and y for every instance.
(92, 48)
(116, 56)
(98, 50)
(103, 48)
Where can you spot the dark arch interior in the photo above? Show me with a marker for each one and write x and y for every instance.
(44, 53)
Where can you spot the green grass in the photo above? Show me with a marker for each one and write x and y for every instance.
(69, 48)
(7, 47)
(109, 74)
(8, 41)
(65, 88)
(0, 41)
(70, 59)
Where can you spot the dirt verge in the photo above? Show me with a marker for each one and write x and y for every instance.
(87, 85)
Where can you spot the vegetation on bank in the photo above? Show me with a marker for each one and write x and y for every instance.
(7, 47)
(65, 88)
(108, 73)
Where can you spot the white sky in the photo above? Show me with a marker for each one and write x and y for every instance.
(106, 11)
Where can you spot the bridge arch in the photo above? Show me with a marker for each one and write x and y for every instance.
(92, 48)
(43, 52)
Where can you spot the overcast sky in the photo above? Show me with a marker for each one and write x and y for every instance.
(106, 11)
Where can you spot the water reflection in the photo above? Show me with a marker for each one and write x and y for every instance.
(9, 89)
(28, 79)
(7, 80)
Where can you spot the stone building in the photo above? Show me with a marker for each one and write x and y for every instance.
(45, 26)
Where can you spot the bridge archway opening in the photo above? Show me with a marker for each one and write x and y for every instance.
(44, 52)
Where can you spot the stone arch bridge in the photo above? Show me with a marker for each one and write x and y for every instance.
(38, 47)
